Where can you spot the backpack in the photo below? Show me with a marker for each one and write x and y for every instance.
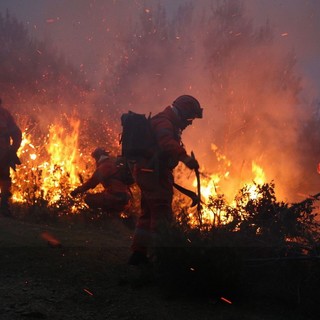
(137, 138)
(124, 171)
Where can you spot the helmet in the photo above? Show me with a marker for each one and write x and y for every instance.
(98, 152)
(188, 107)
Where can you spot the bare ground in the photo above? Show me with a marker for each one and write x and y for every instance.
(87, 278)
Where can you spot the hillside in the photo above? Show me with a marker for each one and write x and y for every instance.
(87, 278)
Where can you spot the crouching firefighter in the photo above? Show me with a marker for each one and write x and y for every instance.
(110, 173)
(10, 141)
(156, 182)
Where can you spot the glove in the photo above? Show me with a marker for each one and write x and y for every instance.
(191, 162)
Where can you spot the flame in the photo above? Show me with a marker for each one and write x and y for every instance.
(260, 176)
(62, 150)
(211, 189)
(259, 179)
(50, 167)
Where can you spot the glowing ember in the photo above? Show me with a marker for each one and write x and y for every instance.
(88, 292)
(226, 300)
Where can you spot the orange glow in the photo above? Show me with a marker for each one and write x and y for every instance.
(259, 179)
(50, 168)
(53, 165)
(211, 188)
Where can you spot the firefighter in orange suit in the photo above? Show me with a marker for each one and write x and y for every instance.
(116, 193)
(10, 141)
(156, 185)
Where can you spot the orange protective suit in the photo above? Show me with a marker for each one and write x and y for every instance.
(156, 185)
(155, 178)
(116, 194)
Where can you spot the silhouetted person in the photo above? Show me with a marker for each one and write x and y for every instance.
(10, 141)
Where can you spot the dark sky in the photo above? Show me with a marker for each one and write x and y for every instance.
(296, 24)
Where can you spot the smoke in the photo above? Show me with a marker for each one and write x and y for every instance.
(252, 64)
(296, 26)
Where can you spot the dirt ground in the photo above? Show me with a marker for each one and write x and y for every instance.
(87, 278)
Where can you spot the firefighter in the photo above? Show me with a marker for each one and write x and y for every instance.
(157, 185)
(10, 141)
(116, 194)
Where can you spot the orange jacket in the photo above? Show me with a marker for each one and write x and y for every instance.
(166, 126)
(108, 174)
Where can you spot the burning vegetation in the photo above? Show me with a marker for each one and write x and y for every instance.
(254, 138)
(249, 104)
(53, 165)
